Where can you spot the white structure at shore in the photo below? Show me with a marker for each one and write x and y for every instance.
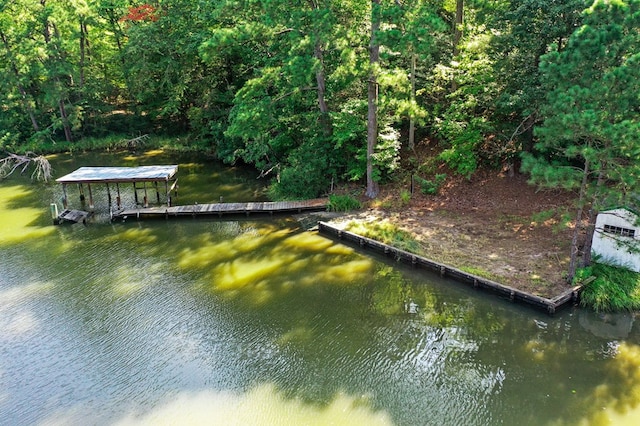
(617, 238)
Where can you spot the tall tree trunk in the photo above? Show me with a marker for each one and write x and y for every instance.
(325, 120)
(117, 31)
(372, 115)
(46, 32)
(23, 93)
(65, 121)
(84, 47)
(412, 124)
(591, 227)
(573, 259)
(318, 53)
(457, 26)
(457, 36)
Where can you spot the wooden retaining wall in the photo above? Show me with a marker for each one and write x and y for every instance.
(550, 305)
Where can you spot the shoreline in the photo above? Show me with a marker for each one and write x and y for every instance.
(506, 292)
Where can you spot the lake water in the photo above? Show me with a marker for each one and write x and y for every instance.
(259, 322)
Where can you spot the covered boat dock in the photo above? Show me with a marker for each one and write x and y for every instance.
(150, 178)
(140, 177)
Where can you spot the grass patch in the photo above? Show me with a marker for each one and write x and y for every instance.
(386, 204)
(113, 142)
(613, 289)
(479, 272)
(343, 203)
(405, 197)
(387, 233)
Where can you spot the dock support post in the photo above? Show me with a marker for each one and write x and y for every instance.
(54, 213)
(108, 195)
(90, 197)
(118, 195)
(135, 192)
(155, 184)
(82, 198)
(65, 201)
(146, 200)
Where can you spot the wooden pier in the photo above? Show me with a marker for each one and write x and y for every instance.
(222, 209)
(550, 305)
(72, 216)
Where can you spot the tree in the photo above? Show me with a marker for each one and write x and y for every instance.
(26, 102)
(525, 29)
(372, 93)
(590, 138)
(20, 70)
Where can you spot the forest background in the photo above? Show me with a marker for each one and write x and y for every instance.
(317, 92)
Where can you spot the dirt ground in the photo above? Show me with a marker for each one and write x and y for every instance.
(494, 225)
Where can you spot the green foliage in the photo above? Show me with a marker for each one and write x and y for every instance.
(463, 157)
(431, 187)
(264, 82)
(523, 32)
(307, 172)
(386, 155)
(297, 184)
(343, 203)
(427, 167)
(465, 122)
(609, 288)
(589, 139)
(590, 115)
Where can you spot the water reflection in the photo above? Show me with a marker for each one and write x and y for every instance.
(260, 264)
(607, 325)
(20, 218)
(249, 321)
(261, 405)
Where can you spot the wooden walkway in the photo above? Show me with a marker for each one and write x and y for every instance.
(569, 297)
(221, 209)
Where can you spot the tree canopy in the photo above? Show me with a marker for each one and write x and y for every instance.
(321, 91)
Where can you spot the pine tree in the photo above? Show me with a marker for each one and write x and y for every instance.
(590, 139)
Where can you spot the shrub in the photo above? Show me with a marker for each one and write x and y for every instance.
(431, 187)
(296, 183)
(343, 203)
(610, 289)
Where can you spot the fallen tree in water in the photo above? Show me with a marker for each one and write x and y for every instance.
(12, 162)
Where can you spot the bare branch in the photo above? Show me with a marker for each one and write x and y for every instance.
(524, 125)
(135, 142)
(42, 168)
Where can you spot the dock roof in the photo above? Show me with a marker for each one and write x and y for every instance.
(120, 174)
